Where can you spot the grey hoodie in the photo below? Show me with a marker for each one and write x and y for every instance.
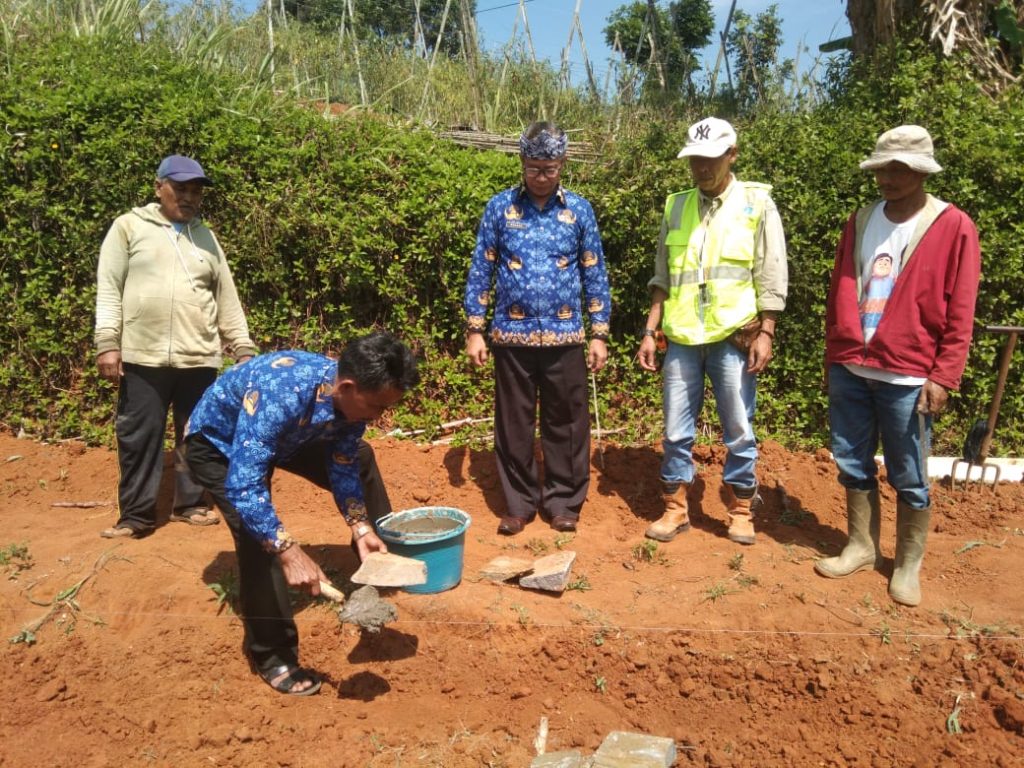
(166, 299)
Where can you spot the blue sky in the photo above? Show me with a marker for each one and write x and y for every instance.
(806, 23)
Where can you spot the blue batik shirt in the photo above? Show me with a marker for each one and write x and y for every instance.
(536, 264)
(260, 413)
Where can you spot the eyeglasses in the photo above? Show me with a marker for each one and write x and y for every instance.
(551, 172)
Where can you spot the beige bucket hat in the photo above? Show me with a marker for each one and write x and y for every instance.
(907, 144)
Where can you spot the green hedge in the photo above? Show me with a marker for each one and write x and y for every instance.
(333, 227)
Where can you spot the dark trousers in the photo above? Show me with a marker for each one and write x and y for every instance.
(557, 376)
(144, 397)
(271, 637)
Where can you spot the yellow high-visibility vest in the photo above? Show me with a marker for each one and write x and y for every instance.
(710, 264)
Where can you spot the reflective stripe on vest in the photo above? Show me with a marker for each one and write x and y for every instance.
(707, 302)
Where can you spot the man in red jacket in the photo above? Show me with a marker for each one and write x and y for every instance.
(898, 326)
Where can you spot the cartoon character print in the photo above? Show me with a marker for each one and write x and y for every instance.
(513, 213)
(567, 216)
(589, 259)
(491, 254)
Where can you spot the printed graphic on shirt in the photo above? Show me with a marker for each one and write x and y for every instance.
(549, 265)
(877, 291)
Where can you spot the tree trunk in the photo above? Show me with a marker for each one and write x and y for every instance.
(875, 22)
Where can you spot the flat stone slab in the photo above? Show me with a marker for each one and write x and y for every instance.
(504, 568)
(621, 749)
(551, 572)
(572, 758)
(366, 610)
(387, 570)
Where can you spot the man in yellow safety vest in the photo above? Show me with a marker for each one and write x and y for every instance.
(720, 282)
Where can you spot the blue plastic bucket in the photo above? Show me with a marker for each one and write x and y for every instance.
(433, 535)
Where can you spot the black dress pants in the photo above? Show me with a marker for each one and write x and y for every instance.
(557, 377)
(271, 637)
(144, 397)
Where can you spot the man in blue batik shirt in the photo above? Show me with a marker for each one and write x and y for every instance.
(538, 249)
(304, 413)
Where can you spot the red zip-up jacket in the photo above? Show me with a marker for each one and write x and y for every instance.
(926, 327)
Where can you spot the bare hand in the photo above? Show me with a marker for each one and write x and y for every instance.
(933, 398)
(476, 349)
(760, 353)
(109, 365)
(300, 570)
(597, 356)
(648, 354)
(242, 358)
(370, 543)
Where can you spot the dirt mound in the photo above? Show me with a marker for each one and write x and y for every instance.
(742, 655)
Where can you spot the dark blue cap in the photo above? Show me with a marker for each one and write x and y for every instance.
(181, 168)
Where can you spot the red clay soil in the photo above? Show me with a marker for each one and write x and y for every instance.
(742, 655)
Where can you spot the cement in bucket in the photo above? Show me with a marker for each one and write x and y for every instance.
(433, 535)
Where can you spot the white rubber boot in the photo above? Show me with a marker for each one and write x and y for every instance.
(863, 525)
(911, 532)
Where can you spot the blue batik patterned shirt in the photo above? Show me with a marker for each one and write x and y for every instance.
(536, 264)
(260, 413)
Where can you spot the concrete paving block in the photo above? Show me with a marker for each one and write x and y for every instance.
(568, 759)
(635, 750)
(387, 570)
(550, 573)
(504, 568)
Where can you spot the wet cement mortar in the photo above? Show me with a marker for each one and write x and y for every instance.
(742, 655)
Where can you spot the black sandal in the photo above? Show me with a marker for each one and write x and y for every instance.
(294, 675)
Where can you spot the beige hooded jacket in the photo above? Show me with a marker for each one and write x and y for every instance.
(166, 298)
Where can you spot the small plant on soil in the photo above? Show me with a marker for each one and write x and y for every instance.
(793, 516)
(736, 562)
(647, 552)
(562, 539)
(15, 558)
(581, 583)
(226, 591)
(537, 547)
(714, 593)
(600, 684)
(883, 632)
(964, 626)
(523, 614)
(747, 580)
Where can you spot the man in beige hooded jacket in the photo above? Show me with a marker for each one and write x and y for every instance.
(165, 307)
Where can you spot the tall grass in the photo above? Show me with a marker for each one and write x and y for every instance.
(506, 89)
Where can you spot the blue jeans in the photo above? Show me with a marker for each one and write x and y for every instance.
(862, 410)
(683, 394)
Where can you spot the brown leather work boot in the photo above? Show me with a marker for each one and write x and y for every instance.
(741, 518)
(676, 519)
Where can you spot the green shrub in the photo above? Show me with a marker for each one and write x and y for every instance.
(336, 226)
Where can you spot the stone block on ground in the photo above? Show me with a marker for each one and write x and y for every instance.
(550, 573)
(572, 758)
(635, 750)
(387, 570)
(504, 568)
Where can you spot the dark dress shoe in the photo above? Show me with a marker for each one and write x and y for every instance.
(564, 524)
(510, 526)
